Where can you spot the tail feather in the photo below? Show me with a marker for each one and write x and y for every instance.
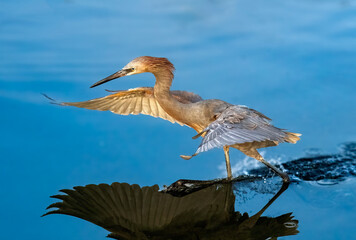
(292, 137)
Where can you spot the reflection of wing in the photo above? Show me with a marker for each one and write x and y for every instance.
(129, 210)
(135, 101)
(133, 212)
(239, 124)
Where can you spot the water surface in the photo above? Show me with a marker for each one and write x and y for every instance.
(292, 60)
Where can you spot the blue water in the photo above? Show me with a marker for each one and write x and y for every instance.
(292, 60)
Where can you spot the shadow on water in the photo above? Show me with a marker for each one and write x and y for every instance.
(207, 212)
(330, 168)
(195, 209)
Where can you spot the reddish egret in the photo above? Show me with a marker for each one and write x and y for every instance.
(221, 124)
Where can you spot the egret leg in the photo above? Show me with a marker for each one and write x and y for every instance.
(283, 175)
(251, 152)
(227, 159)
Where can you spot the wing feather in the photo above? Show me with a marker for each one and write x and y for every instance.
(239, 124)
(146, 108)
(135, 101)
(138, 106)
(154, 108)
(123, 108)
(130, 107)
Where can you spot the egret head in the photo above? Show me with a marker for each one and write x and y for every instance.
(140, 65)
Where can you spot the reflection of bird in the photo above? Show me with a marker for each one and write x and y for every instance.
(220, 123)
(132, 212)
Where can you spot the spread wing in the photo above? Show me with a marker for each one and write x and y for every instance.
(135, 101)
(239, 124)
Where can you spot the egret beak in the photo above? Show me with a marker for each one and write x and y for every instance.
(118, 74)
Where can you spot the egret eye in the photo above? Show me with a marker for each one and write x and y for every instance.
(133, 69)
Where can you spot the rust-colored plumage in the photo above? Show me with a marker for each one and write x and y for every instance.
(221, 124)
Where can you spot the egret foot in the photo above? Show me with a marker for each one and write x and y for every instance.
(283, 175)
(185, 157)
